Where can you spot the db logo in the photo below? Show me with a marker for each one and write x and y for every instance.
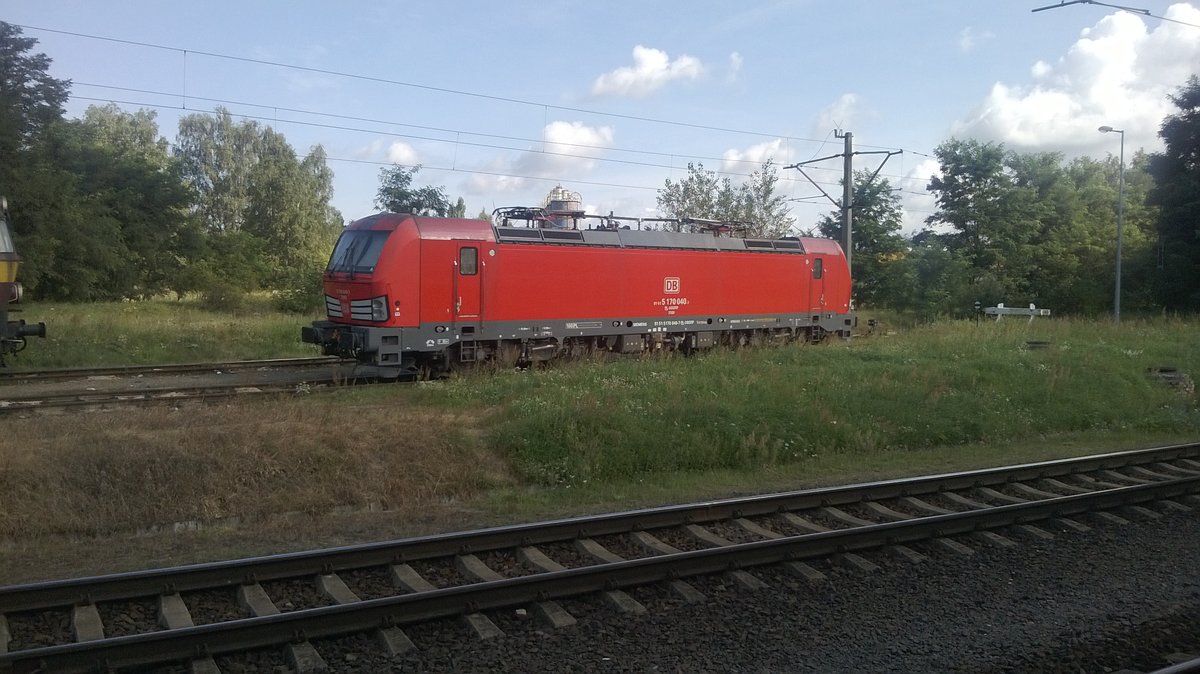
(671, 285)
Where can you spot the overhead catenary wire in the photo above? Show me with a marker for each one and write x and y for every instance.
(456, 141)
(458, 133)
(411, 137)
(455, 168)
(425, 87)
(1132, 10)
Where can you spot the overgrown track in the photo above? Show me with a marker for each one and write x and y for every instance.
(101, 388)
(201, 611)
(172, 368)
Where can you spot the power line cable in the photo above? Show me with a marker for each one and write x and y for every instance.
(1132, 10)
(337, 127)
(457, 132)
(450, 169)
(425, 87)
(456, 141)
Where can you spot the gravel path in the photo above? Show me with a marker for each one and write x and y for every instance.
(1112, 598)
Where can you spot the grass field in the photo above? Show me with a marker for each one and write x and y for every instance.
(583, 436)
(158, 331)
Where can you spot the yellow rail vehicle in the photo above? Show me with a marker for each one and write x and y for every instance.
(12, 332)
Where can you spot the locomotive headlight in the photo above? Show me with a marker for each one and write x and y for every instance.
(379, 308)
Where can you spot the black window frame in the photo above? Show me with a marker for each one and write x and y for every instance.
(474, 261)
(357, 251)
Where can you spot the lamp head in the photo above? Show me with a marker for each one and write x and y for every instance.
(1105, 129)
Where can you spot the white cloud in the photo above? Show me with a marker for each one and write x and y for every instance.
(1119, 73)
(395, 151)
(735, 67)
(569, 149)
(401, 153)
(915, 199)
(652, 69)
(837, 115)
(750, 159)
(969, 38)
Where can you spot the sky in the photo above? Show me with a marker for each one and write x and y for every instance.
(500, 102)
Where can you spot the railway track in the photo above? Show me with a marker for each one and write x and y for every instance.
(191, 616)
(103, 388)
(59, 374)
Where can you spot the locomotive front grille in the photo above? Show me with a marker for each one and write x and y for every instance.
(360, 310)
(333, 308)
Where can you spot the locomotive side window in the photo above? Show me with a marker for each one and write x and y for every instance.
(818, 267)
(468, 261)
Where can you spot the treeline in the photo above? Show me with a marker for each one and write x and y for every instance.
(1009, 227)
(104, 208)
(1034, 228)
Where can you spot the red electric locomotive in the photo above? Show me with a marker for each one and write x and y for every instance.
(410, 296)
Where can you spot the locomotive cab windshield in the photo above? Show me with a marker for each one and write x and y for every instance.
(357, 251)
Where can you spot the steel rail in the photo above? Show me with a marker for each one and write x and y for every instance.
(332, 621)
(1186, 667)
(168, 368)
(213, 575)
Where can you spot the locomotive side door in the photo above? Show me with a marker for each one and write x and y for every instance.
(467, 283)
(816, 287)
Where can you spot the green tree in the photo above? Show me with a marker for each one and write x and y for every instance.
(31, 102)
(936, 277)
(992, 202)
(217, 157)
(1072, 254)
(289, 213)
(139, 182)
(30, 99)
(762, 207)
(459, 209)
(878, 245)
(397, 195)
(266, 211)
(702, 194)
(76, 229)
(972, 192)
(128, 134)
(1177, 194)
(1141, 251)
(484, 215)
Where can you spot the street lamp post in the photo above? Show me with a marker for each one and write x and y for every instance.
(1120, 218)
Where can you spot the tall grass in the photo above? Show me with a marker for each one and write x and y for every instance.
(104, 473)
(949, 384)
(159, 331)
(944, 396)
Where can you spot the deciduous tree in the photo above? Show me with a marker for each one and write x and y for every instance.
(1177, 193)
(397, 194)
(702, 194)
(217, 157)
(878, 246)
